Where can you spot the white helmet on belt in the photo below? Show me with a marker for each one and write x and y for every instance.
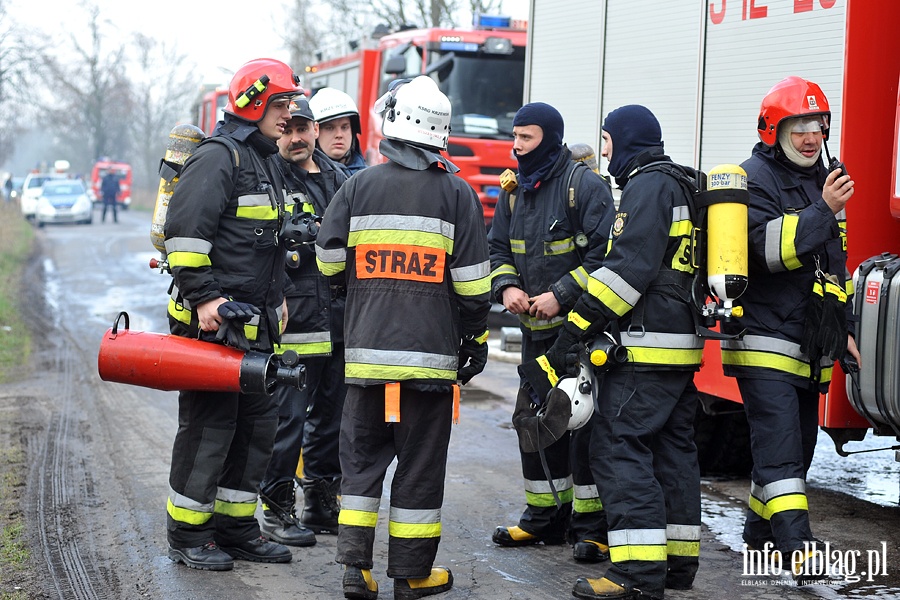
(416, 111)
(330, 103)
(581, 400)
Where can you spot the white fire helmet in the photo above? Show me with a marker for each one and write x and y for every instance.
(581, 402)
(416, 111)
(328, 104)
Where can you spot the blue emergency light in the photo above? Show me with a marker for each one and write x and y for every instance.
(492, 21)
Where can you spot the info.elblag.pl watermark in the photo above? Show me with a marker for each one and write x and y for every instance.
(828, 565)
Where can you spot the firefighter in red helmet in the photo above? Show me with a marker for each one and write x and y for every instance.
(796, 313)
(227, 260)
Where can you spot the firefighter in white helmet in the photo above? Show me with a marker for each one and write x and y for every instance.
(339, 128)
(407, 238)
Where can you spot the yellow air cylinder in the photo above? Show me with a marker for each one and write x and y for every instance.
(183, 141)
(727, 233)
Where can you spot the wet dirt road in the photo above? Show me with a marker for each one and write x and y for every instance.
(98, 458)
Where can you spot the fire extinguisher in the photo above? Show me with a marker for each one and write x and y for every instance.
(170, 362)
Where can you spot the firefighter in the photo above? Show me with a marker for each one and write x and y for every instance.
(339, 128)
(407, 238)
(109, 189)
(222, 242)
(309, 418)
(541, 253)
(642, 449)
(797, 230)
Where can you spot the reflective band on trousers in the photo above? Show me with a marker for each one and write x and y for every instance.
(359, 511)
(587, 499)
(778, 496)
(183, 509)
(235, 503)
(637, 544)
(414, 524)
(683, 540)
(773, 353)
(538, 493)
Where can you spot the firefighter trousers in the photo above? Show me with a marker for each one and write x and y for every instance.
(309, 419)
(783, 422)
(588, 517)
(368, 446)
(541, 516)
(645, 464)
(222, 446)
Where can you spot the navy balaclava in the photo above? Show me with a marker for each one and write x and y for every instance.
(633, 129)
(537, 164)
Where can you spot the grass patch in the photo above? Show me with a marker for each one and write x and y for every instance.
(18, 238)
(14, 554)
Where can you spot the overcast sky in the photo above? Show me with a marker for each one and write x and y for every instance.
(218, 35)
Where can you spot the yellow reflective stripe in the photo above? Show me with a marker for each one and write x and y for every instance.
(504, 270)
(473, 288)
(550, 371)
(395, 372)
(179, 313)
(235, 509)
(517, 246)
(681, 229)
(414, 530)
(535, 324)
(788, 248)
(188, 259)
(682, 548)
(580, 275)
(587, 505)
(609, 298)
(308, 207)
(329, 269)
(259, 213)
(401, 237)
(305, 349)
(483, 337)
(545, 499)
(664, 356)
(579, 321)
(777, 505)
(751, 358)
(186, 515)
(646, 553)
(357, 518)
(558, 247)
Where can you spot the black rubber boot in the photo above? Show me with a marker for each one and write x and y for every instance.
(259, 550)
(279, 522)
(320, 505)
(208, 557)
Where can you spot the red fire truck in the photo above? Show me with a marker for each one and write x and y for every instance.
(481, 70)
(209, 108)
(718, 60)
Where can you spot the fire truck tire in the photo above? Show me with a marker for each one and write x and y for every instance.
(723, 444)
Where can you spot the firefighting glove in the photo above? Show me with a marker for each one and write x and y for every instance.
(833, 328)
(809, 340)
(563, 355)
(231, 329)
(473, 355)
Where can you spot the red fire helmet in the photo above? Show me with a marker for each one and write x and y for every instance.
(791, 97)
(256, 84)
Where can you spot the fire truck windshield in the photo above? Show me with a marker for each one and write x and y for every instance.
(485, 90)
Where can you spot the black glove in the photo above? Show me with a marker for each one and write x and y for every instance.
(473, 357)
(809, 341)
(563, 355)
(231, 329)
(833, 328)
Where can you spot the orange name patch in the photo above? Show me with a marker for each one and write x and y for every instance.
(389, 261)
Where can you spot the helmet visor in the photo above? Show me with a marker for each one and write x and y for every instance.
(816, 124)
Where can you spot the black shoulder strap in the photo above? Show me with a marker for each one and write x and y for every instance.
(235, 153)
(692, 186)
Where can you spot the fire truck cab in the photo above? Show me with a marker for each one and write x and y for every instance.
(481, 70)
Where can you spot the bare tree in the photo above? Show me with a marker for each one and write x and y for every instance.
(93, 94)
(301, 32)
(163, 94)
(16, 65)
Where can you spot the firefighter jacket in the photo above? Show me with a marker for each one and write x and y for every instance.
(315, 308)
(408, 237)
(535, 245)
(644, 283)
(790, 229)
(221, 232)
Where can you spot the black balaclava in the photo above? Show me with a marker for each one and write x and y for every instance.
(633, 129)
(537, 164)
